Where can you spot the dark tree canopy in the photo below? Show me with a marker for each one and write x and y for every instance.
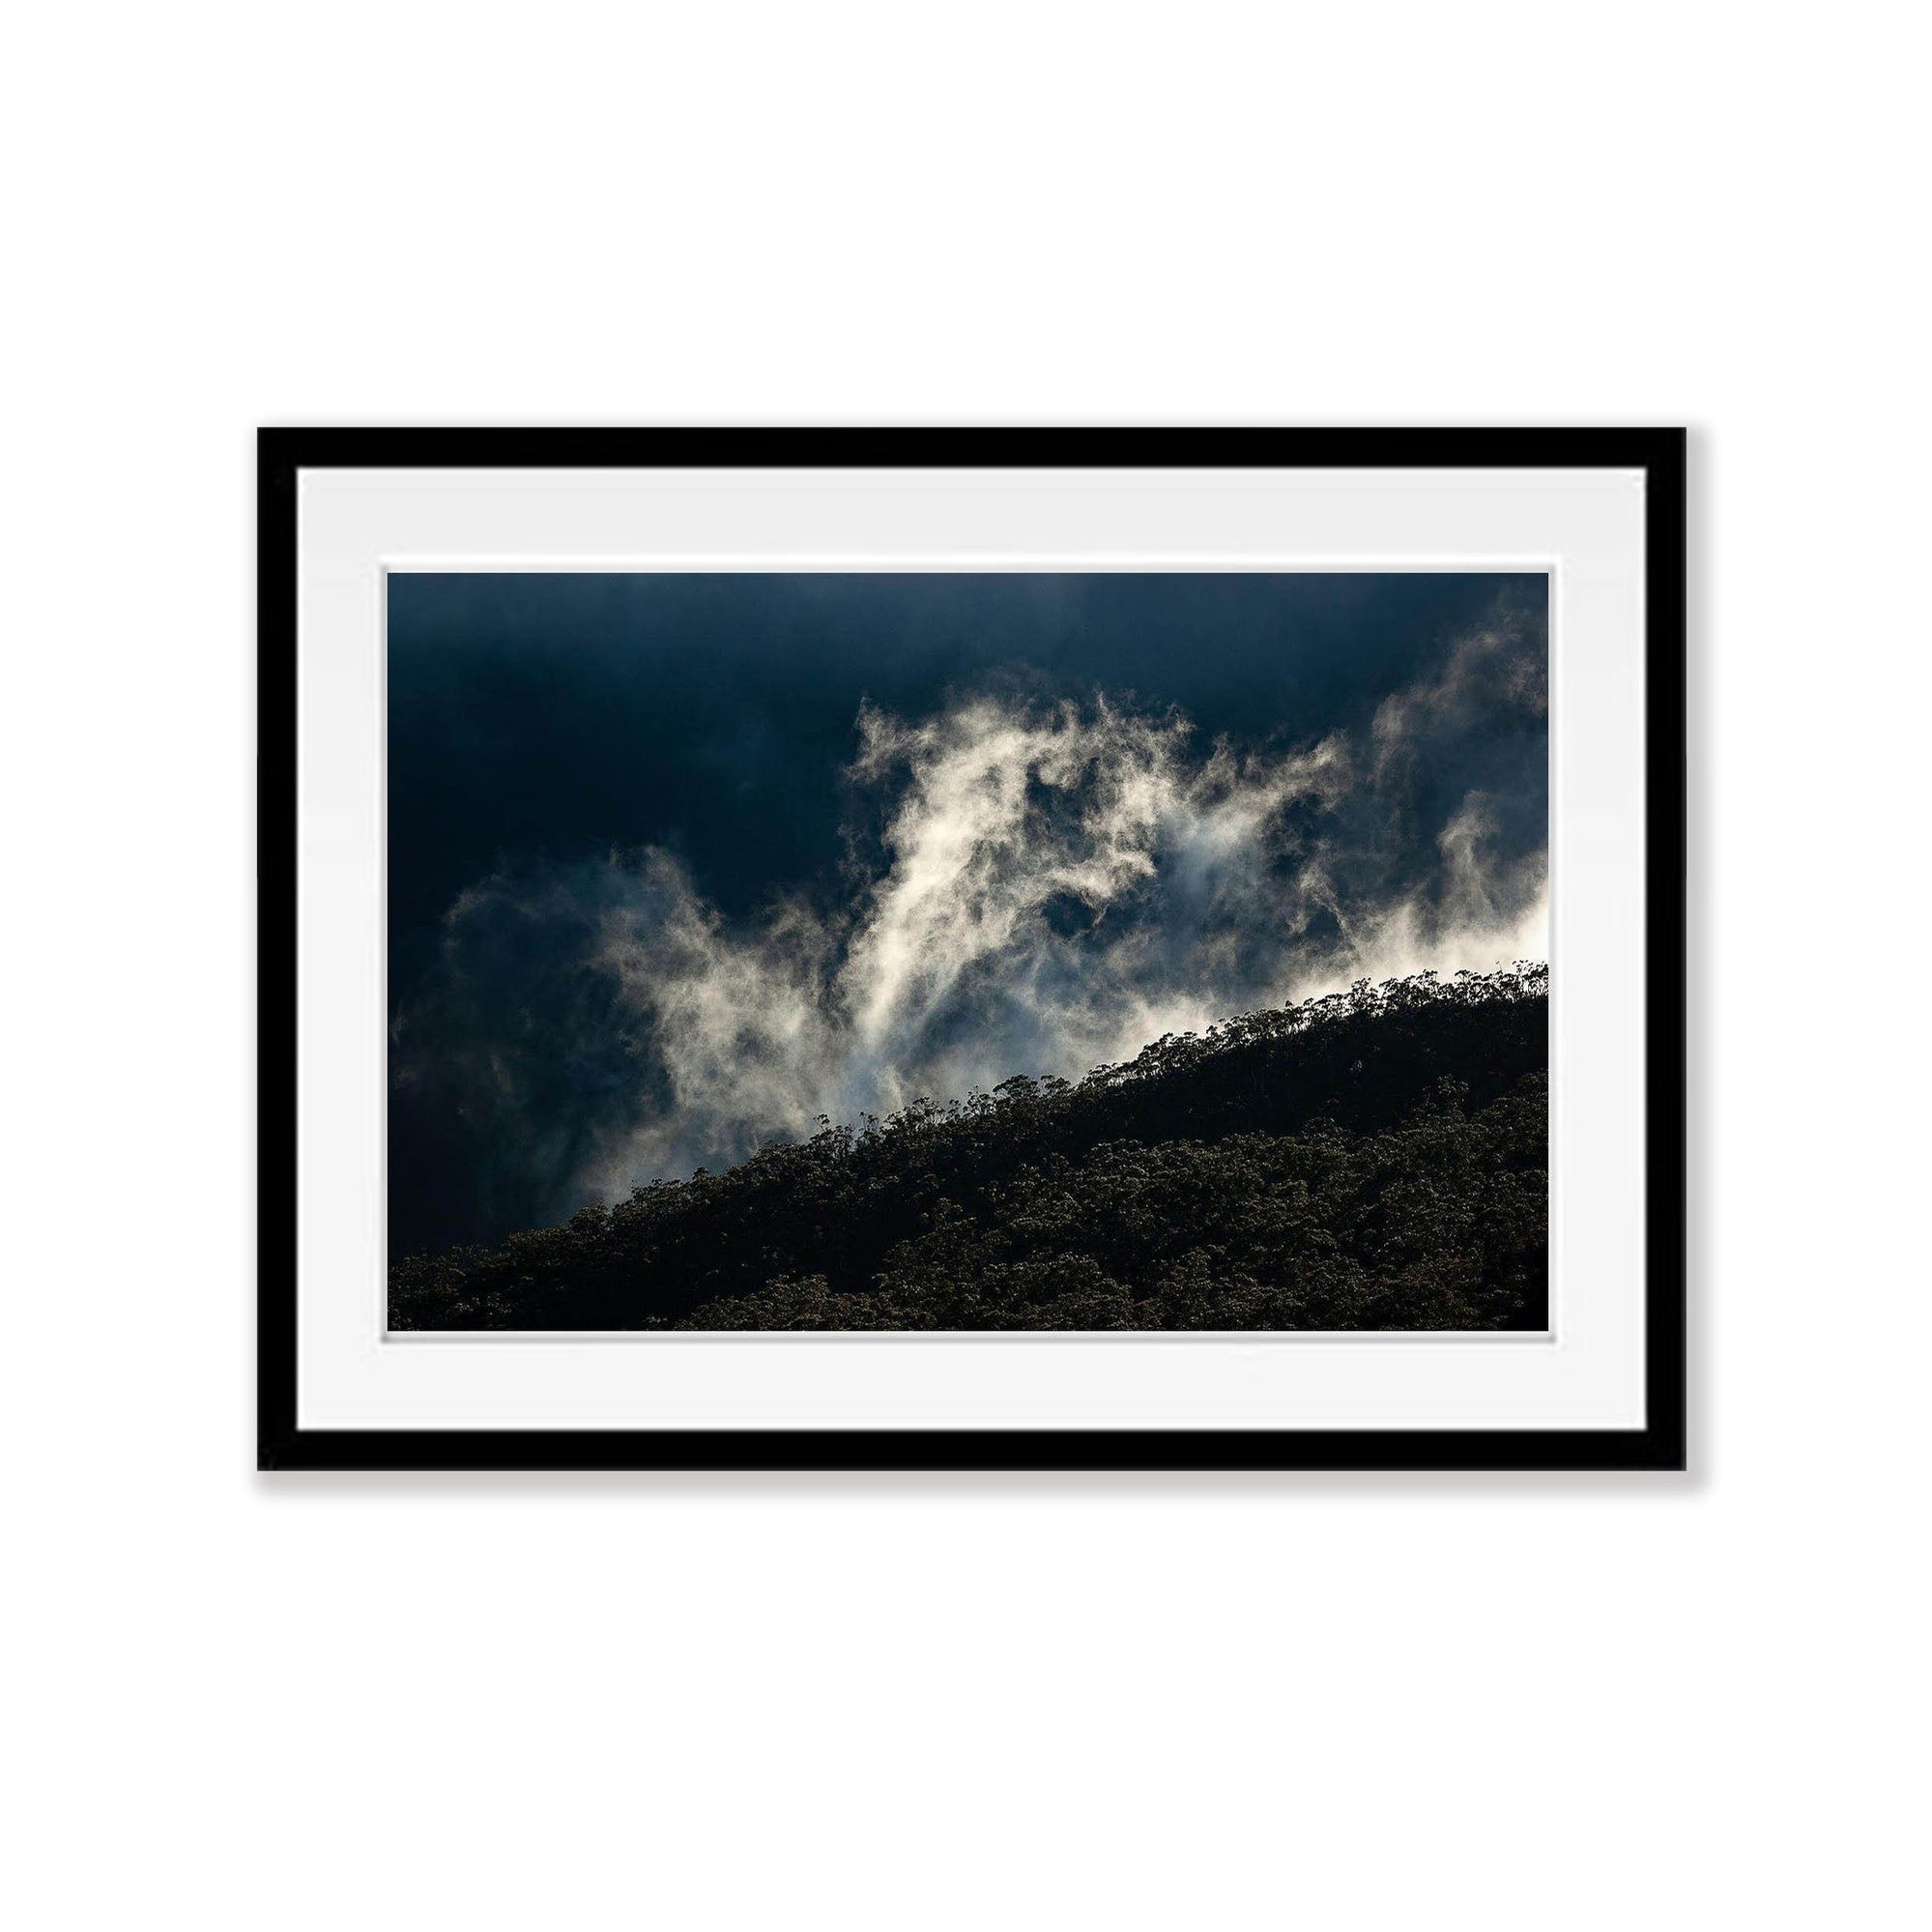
(1377, 1159)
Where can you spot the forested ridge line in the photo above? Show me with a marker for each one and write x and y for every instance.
(1375, 1159)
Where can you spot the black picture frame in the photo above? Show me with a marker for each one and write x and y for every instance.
(1661, 1444)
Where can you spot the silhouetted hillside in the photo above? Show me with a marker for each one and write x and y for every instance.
(1373, 1159)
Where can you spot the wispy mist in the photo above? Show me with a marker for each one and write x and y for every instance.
(1028, 886)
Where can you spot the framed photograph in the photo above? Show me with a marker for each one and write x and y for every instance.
(1139, 949)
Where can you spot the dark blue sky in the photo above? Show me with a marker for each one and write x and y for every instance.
(541, 720)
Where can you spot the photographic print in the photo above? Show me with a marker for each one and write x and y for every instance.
(967, 951)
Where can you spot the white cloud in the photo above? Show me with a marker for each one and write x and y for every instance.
(1054, 888)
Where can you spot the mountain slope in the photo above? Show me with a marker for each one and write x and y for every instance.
(1373, 1159)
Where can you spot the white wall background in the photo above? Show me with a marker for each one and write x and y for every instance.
(1332, 1703)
